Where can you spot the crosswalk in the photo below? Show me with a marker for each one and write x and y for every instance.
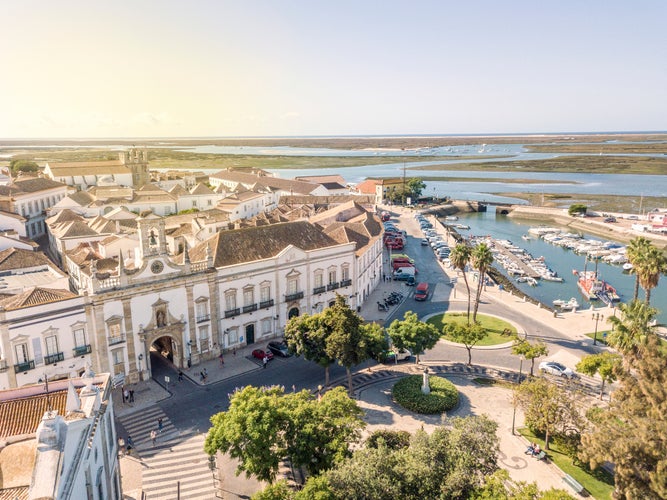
(176, 462)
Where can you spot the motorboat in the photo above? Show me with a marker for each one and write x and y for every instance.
(627, 266)
(567, 305)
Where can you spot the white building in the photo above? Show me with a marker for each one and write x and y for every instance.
(31, 197)
(59, 444)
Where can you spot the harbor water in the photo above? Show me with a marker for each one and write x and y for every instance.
(561, 260)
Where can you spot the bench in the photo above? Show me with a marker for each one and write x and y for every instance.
(572, 483)
(541, 455)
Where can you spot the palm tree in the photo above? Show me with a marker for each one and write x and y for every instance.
(460, 258)
(631, 329)
(482, 258)
(653, 265)
(636, 253)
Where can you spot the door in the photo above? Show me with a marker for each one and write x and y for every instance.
(250, 334)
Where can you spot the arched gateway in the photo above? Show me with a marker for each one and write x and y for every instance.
(164, 333)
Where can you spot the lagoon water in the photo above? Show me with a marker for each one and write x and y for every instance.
(562, 261)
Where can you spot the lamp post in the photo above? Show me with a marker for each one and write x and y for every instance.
(596, 317)
(514, 411)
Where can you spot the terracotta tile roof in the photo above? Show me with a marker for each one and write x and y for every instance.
(275, 183)
(16, 258)
(83, 198)
(18, 493)
(36, 296)
(319, 179)
(29, 185)
(201, 189)
(83, 253)
(362, 230)
(72, 229)
(111, 192)
(66, 215)
(257, 243)
(22, 416)
(178, 190)
(367, 186)
(66, 169)
(12, 215)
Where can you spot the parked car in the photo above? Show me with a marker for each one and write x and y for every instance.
(279, 349)
(557, 369)
(393, 356)
(610, 219)
(260, 353)
(410, 281)
(421, 292)
(424, 242)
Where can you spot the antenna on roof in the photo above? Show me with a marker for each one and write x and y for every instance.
(48, 397)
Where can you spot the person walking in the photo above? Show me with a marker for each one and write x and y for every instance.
(265, 360)
(130, 445)
(121, 445)
(126, 395)
(153, 436)
(159, 425)
(131, 395)
(180, 376)
(222, 361)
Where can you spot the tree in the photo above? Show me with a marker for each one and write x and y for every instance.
(264, 425)
(18, 165)
(376, 341)
(279, 490)
(499, 486)
(306, 335)
(460, 258)
(346, 341)
(468, 335)
(412, 334)
(482, 258)
(632, 432)
(414, 187)
(530, 351)
(653, 264)
(631, 329)
(547, 407)
(605, 364)
(577, 209)
(636, 252)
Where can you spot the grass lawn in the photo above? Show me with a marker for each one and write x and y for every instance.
(494, 327)
(600, 484)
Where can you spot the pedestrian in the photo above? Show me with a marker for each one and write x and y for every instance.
(180, 376)
(293, 388)
(126, 395)
(153, 436)
(121, 445)
(234, 351)
(130, 445)
(265, 360)
(201, 376)
(205, 374)
(159, 425)
(131, 395)
(222, 361)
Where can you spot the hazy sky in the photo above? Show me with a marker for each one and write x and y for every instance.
(309, 67)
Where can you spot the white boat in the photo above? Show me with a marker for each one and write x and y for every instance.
(451, 218)
(627, 266)
(566, 305)
(525, 237)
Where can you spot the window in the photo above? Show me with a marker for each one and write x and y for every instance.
(21, 351)
(114, 330)
(117, 357)
(265, 293)
(203, 338)
(233, 336)
(266, 326)
(194, 203)
(230, 300)
(345, 272)
(332, 276)
(202, 309)
(292, 286)
(79, 336)
(248, 296)
(319, 279)
(51, 343)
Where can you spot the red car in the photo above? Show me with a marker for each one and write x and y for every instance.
(259, 354)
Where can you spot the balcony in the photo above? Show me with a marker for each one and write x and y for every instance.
(232, 312)
(319, 289)
(333, 286)
(266, 303)
(289, 297)
(250, 308)
(82, 349)
(116, 339)
(53, 358)
(24, 367)
(203, 317)
(345, 282)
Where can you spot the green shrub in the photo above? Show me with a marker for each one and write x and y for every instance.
(408, 393)
(394, 440)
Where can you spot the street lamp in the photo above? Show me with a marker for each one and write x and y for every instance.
(514, 412)
(596, 317)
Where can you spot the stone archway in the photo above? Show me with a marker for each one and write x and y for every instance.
(167, 341)
(293, 313)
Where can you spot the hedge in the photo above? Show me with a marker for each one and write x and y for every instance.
(408, 393)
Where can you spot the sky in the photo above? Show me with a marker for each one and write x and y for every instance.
(340, 67)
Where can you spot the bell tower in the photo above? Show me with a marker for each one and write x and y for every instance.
(137, 161)
(152, 239)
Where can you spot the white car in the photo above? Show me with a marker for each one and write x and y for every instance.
(557, 369)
